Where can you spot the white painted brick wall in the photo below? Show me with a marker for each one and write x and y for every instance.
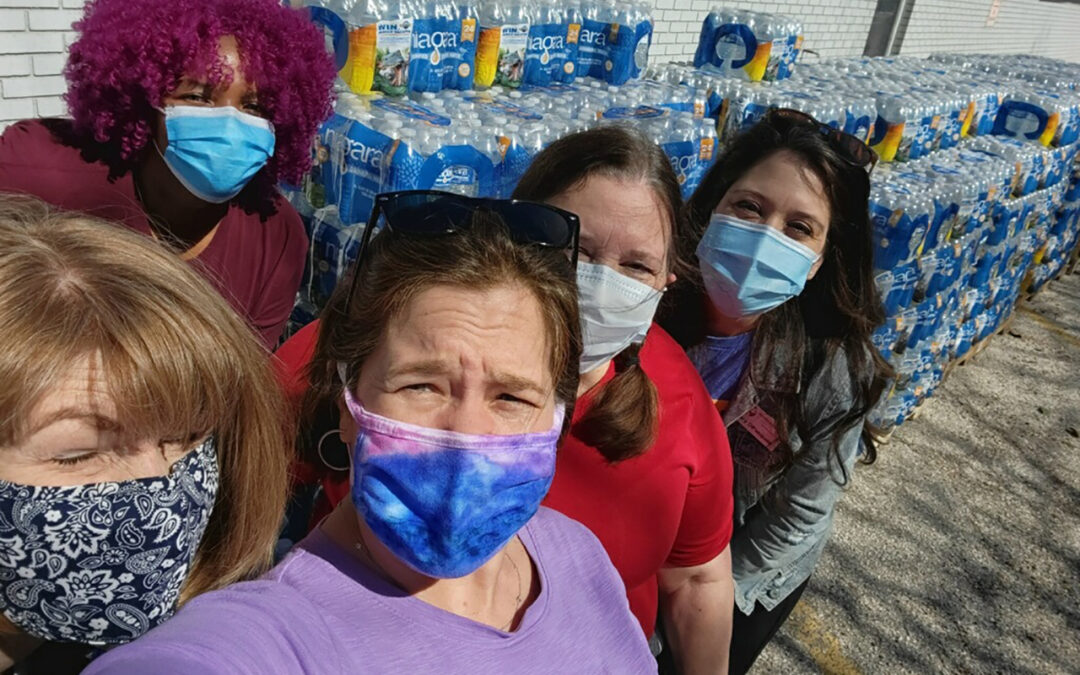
(831, 27)
(1022, 26)
(35, 34)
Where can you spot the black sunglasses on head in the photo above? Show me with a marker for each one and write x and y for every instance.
(850, 148)
(432, 213)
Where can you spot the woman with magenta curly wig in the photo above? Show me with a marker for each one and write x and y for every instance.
(184, 117)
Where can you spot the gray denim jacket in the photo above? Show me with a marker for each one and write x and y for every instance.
(777, 541)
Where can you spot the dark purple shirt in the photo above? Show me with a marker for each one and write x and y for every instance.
(255, 264)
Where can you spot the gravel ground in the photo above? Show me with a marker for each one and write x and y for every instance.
(959, 550)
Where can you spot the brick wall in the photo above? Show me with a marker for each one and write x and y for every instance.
(34, 35)
(831, 27)
(1022, 26)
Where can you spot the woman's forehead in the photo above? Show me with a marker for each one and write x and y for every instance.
(784, 178)
(79, 392)
(459, 330)
(623, 213)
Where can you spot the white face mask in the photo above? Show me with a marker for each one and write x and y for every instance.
(616, 312)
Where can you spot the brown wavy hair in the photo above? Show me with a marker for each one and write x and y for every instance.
(175, 358)
(398, 267)
(836, 312)
(622, 421)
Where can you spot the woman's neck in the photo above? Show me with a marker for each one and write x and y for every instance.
(173, 211)
(592, 378)
(497, 594)
(725, 326)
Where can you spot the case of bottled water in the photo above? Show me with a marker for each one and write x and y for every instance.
(752, 45)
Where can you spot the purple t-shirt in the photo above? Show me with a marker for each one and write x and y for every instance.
(721, 362)
(322, 611)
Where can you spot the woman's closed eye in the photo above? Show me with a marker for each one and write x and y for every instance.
(421, 388)
(74, 459)
(639, 269)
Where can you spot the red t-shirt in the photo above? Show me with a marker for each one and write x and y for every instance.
(256, 265)
(671, 506)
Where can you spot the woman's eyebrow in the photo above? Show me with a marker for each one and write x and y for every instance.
(513, 382)
(96, 420)
(804, 215)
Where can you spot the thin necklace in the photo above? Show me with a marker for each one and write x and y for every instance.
(362, 547)
(517, 600)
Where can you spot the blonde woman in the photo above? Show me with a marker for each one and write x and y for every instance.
(143, 459)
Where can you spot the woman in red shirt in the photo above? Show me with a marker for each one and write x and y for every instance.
(646, 465)
(185, 115)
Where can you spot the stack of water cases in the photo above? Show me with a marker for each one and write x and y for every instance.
(409, 47)
(975, 201)
(476, 143)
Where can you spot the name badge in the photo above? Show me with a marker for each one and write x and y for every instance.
(762, 427)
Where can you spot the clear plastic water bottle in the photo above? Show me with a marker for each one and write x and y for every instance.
(380, 42)
(504, 40)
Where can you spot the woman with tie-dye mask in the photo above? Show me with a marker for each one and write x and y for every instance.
(453, 356)
(142, 455)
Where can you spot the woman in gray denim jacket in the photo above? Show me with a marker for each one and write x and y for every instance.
(779, 326)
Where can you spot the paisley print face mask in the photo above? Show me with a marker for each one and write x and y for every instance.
(104, 563)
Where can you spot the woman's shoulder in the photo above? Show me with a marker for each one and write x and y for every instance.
(245, 627)
(567, 550)
(279, 224)
(833, 371)
(683, 397)
(668, 366)
(560, 535)
(38, 144)
(35, 132)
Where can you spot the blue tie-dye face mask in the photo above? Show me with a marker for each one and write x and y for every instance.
(445, 502)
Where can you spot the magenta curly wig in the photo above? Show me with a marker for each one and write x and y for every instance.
(131, 53)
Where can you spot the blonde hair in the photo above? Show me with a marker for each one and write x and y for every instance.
(176, 360)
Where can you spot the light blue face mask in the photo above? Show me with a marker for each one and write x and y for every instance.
(214, 152)
(750, 268)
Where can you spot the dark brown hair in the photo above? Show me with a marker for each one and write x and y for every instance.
(479, 256)
(622, 421)
(838, 309)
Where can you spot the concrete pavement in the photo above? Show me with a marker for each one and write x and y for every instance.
(959, 550)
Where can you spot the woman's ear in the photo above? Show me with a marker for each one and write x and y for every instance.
(816, 266)
(347, 425)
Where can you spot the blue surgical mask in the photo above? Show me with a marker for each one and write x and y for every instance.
(750, 268)
(215, 152)
(444, 502)
(102, 564)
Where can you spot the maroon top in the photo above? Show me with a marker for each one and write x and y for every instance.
(255, 264)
